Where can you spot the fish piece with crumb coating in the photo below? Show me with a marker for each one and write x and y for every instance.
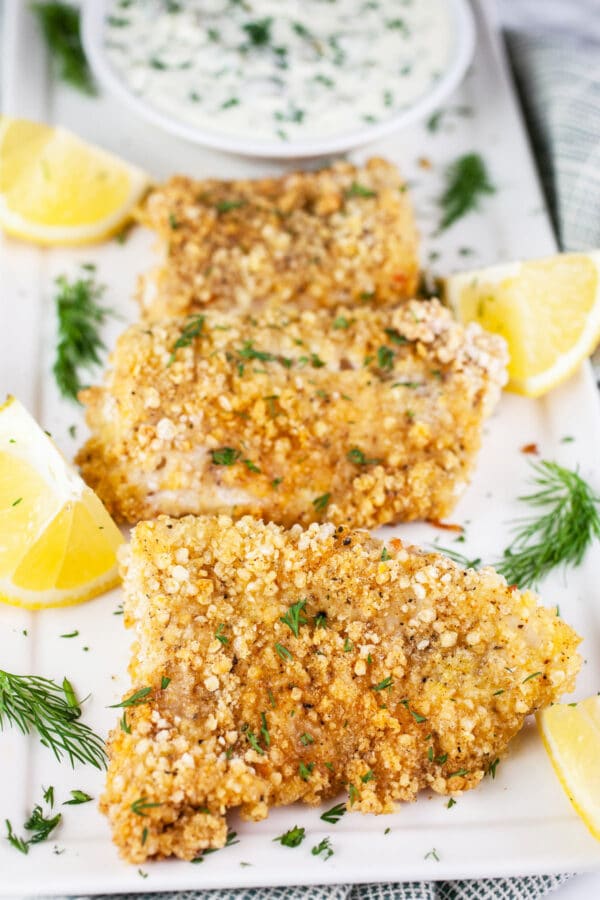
(363, 417)
(276, 666)
(343, 235)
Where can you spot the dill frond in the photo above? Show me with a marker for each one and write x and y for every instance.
(79, 319)
(468, 181)
(32, 703)
(567, 522)
(60, 24)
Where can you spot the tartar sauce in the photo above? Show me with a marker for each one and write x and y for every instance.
(279, 69)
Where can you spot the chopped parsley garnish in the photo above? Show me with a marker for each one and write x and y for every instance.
(225, 206)
(39, 825)
(332, 816)
(229, 842)
(433, 854)
(173, 223)
(348, 645)
(264, 730)
(368, 776)
(165, 681)
(352, 794)
(359, 190)
(14, 840)
(78, 797)
(283, 652)
(529, 677)
(295, 617)
(252, 467)
(259, 31)
(292, 838)
(323, 848)
(416, 716)
(451, 802)
(141, 804)
(395, 336)
(228, 104)
(71, 634)
(305, 770)
(253, 741)
(383, 685)
(60, 24)
(491, 769)
(219, 634)
(248, 352)
(192, 329)
(33, 703)
(306, 739)
(467, 182)
(385, 555)
(125, 726)
(460, 773)
(80, 316)
(568, 520)
(321, 503)
(225, 456)
(357, 457)
(48, 796)
(320, 620)
(385, 358)
(341, 322)
(135, 699)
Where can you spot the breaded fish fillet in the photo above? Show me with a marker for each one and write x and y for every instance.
(363, 417)
(272, 666)
(342, 235)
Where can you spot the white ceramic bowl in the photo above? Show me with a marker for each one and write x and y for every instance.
(461, 53)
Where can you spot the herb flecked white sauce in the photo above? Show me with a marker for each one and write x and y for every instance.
(279, 69)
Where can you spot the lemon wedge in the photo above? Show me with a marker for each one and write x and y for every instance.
(571, 735)
(57, 542)
(548, 310)
(56, 189)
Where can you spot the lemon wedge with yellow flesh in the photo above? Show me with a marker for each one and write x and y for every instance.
(548, 310)
(571, 735)
(57, 542)
(56, 189)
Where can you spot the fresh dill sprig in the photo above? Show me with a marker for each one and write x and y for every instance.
(79, 319)
(467, 182)
(33, 703)
(60, 24)
(567, 523)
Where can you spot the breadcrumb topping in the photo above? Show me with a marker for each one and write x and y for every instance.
(339, 236)
(362, 417)
(305, 664)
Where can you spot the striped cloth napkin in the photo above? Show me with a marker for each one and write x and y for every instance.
(558, 73)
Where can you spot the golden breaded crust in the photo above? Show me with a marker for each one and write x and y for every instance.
(399, 671)
(342, 235)
(363, 417)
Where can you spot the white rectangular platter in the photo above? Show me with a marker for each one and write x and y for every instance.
(518, 823)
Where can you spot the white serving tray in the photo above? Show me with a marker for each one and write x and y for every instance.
(521, 822)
